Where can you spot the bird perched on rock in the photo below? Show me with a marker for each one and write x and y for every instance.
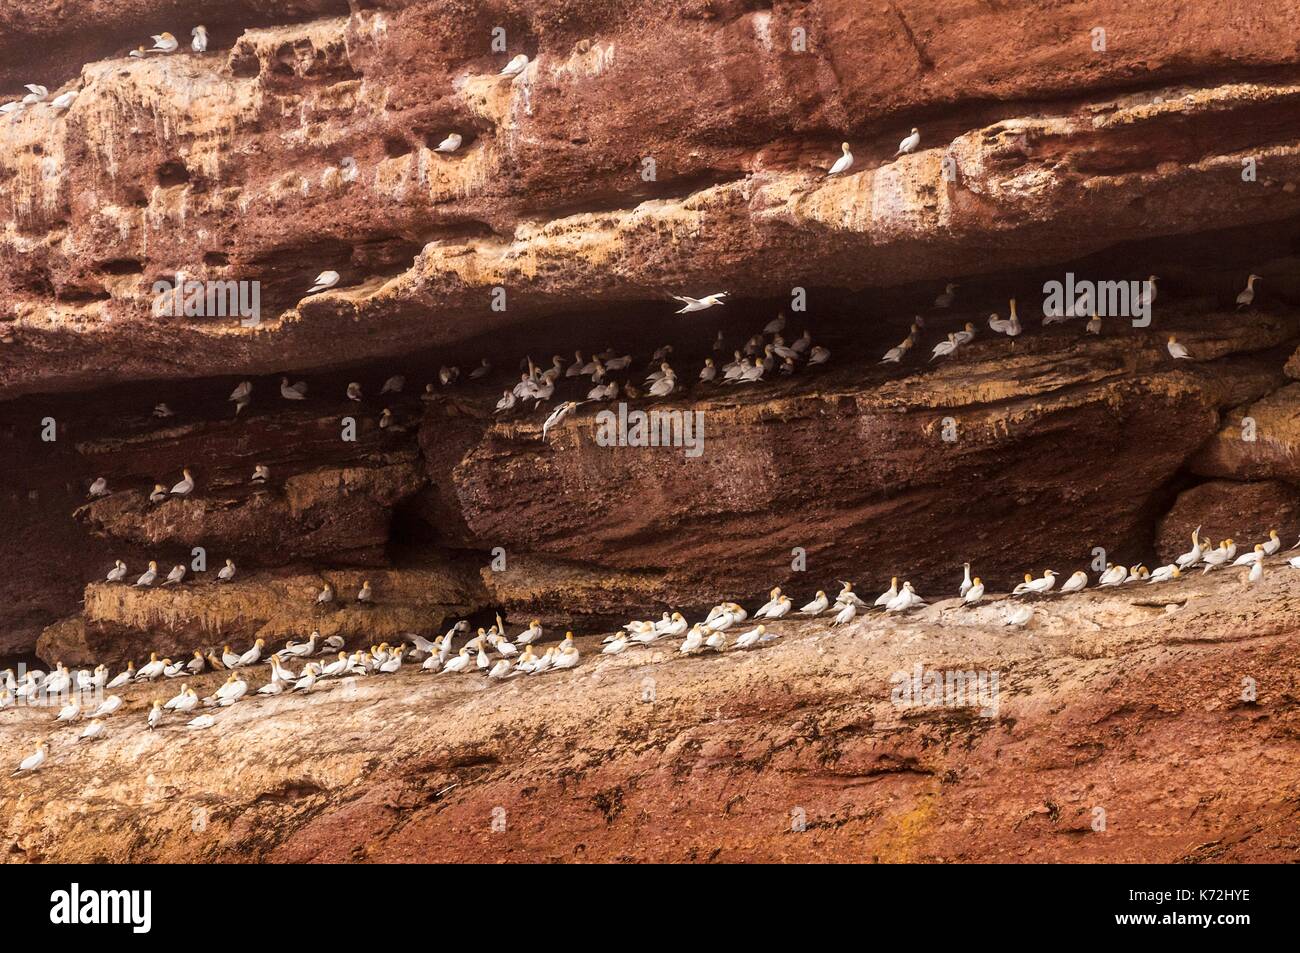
(261, 473)
(1247, 296)
(227, 572)
(199, 43)
(557, 416)
(325, 280)
(366, 595)
(1176, 350)
(843, 163)
(296, 391)
(186, 484)
(175, 577)
(117, 573)
(449, 144)
(516, 66)
(164, 43)
(147, 578)
(99, 488)
(909, 144)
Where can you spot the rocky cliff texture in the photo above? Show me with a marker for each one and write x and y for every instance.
(649, 149)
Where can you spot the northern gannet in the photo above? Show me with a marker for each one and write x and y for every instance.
(842, 164)
(817, 606)
(603, 392)
(777, 324)
(965, 586)
(945, 348)
(709, 372)
(1038, 587)
(202, 721)
(93, 729)
(819, 355)
(965, 335)
(147, 578)
(176, 576)
(196, 664)
(153, 669)
(117, 573)
(1217, 557)
(296, 391)
(507, 402)
(138, 53)
(483, 370)
(448, 375)
(229, 659)
(109, 705)
(946, 297)
(1019, 616)
(752, 637)
(162, 411)
(616, 644)
(164, 43)
(121, 678)
(975, 593)
(1256, 572)
(1147, 296)
(33, 761)
(324, 281)
(1193, 555)
(665, 385)
(1076, 582)
(155, 715)
(186, 485)
(36, 93)
(1094, 325)
(393, 385)
(889, 595)
(325, 596)
(1247, 296)
(909, 144)
(450, 144)
(1164, 573)
(693, 642)
(774, 598)
(847, 611)
(199, 43)
(366, 594)
(385, 419)
(906, 599)
(11, 109)
(241, 395)
(895, 354)
(557, 416)
(1113, 576)
(690, 304)
(252, 656)
(848, 595)
(63, 100)
(353, 392)
(229, 693)
(515, 66)
(69, 712)
(1254, 555)
(458, 664)
(1176, 350)
(1272, 544)
(501, 669)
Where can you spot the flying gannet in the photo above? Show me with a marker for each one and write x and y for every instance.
(690, 304)
(842, 164)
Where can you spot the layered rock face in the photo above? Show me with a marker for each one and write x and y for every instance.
(651, 149)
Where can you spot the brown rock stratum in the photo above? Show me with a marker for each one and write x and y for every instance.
(652, 148)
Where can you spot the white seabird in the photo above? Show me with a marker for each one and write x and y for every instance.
(261, 473)
(63, 100)
(946, 297)
(975, 593)
(36, 93)
(202, 721)
(199, 43)
(842, 164)
(148, 576)
(164, 43)
(557, 416)
(117, 573)
(33, 761)
(889, 595)
(819, 355)
(354, 392)
(1193, 555)
(516, 66)
(109, 705)
(690, 304)
(175, 576)
(1020, 616)
(1113, 576)
(817, 606)
(1177, 351)
(1076, 582)
(162, 411)
(945, 348)
(909, 144)
(393, 385)
(92, 730)
(324, 281)
(186, 485)
(296, 391)
(449, 144)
